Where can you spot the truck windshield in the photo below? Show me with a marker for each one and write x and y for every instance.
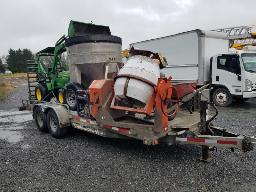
(249, 60)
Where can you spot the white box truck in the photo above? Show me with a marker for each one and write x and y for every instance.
(203, 57)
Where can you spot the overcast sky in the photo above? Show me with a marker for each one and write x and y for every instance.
(36, 24)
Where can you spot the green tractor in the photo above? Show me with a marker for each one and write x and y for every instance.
(52, 77)
(52, 74)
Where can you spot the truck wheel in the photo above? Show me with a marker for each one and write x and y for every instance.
(40, 120)
(40, 92)
(222, 97)
(54, 125)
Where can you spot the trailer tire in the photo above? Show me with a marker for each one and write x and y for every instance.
(40, 119)
(222, 97)
(54, 125)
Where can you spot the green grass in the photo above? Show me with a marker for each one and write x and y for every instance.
(2, 95)
(2, 91)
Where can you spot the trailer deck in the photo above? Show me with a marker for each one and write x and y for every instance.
(186, 120)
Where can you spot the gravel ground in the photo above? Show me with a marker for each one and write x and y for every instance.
(33, 161)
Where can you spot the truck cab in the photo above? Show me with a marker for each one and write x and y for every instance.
(233, 77)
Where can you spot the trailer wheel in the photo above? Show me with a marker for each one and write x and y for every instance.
(222, 97)
(54, 125)
(40, 120)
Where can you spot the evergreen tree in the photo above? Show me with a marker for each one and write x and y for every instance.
(17, 59)
(1, 66)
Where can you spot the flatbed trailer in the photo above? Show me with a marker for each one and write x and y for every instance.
(188, 127)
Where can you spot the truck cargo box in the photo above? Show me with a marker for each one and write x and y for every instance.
(188, 54)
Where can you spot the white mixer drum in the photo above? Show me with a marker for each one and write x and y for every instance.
(129, 83)
(119, 87)
(142, 67)
(139, 90)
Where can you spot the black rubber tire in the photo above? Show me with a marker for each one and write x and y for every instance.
(71, 89)
(54, 125)
(222, 92)
(92, 39)
(40, 119)
(241, 100)
(43, 91)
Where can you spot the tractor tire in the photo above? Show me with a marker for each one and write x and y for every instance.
(61, 97)
(92, 39)
(70, 97)
(222, 97)
(41, 92)
(40, 119)
(54, 125)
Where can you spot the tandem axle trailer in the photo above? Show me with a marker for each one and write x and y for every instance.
(188, 127)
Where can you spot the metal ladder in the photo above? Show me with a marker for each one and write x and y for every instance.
(32, 80)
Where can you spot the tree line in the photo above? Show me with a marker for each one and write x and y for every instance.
(17, 60)
(1, 66)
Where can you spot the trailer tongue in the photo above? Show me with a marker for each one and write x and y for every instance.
(136, 104)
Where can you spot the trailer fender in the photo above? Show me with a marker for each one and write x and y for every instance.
(63, 115)
(61, 111)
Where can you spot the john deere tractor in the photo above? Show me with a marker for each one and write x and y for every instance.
(51, 72)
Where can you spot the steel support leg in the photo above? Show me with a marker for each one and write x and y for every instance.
(203, 108)
(205, 154)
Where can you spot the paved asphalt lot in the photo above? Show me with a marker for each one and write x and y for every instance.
(33, 161)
